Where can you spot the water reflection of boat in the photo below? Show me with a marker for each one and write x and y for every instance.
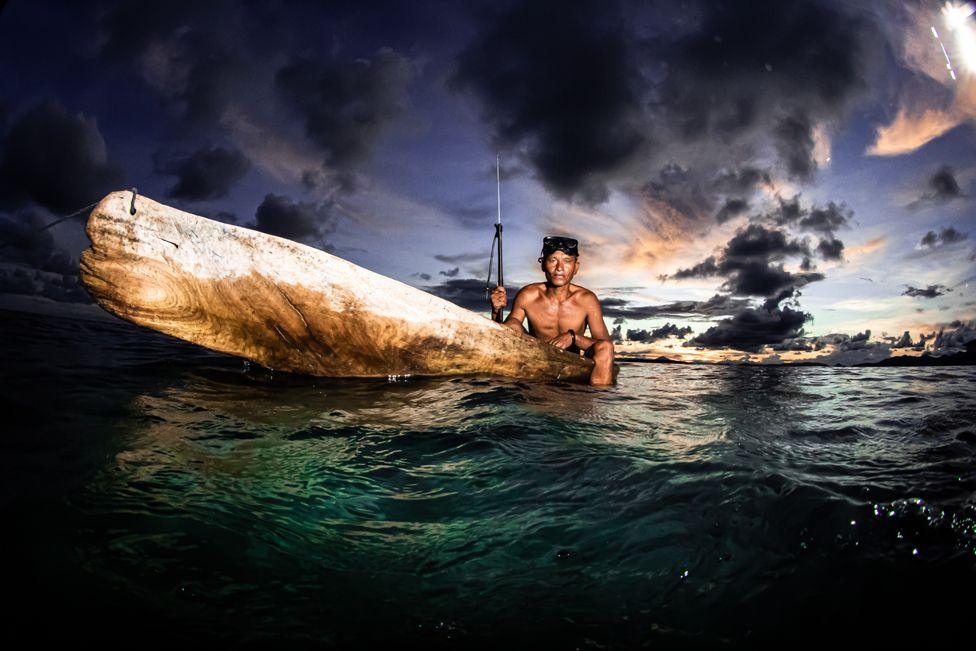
(288, 306)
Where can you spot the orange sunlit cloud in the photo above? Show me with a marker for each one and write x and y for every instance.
(640, 239)
(910, 131)
(871, 246)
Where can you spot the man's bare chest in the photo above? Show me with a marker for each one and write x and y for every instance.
(552, 317)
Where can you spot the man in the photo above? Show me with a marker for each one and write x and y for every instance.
(559, 311)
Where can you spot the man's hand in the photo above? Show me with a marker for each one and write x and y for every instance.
(563, 341)
(498, 299)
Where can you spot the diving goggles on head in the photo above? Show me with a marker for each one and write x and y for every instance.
(555, 243)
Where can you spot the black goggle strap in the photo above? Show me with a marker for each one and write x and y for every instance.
(565, 244)
(558, 240)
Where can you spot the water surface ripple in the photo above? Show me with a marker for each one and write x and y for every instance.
(153, 486)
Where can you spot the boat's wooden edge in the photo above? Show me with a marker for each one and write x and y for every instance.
(131, 270)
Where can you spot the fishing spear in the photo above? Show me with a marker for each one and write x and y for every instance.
(500, 317)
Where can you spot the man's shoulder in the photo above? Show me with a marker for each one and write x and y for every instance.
(532, 289)
(584, 294)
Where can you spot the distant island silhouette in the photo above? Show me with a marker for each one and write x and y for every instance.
(961, 358)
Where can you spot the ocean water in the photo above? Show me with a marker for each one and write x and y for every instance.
(155, 492)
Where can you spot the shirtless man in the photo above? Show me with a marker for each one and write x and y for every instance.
(559, 311)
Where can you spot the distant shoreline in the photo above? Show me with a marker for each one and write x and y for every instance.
(961, 358)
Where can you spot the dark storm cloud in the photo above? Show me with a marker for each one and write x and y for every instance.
(756, 278)
(706, 190)
(787, 211)
(951, 337)
(461, 257)
(207, 173)
(954, 337)
(822, 220)
(18, 280)
(559, 82)
(682, 189)
(850, 349)
(22, 242)
(831, 249)
(31, 282)
(466, 292)
(220, 65)
(469, 211)
(504, 172)
(741, 180)
(704, 269)
(833, 339)
(345, 104)
(923, 339)
(422, 276)
(200, 57)
(942, 187)
(212, 84)
(581, 91)
(947, 236)
(928, 292)
(613, 303)
(752, 265)
(746, 263)
(615, 335)
(905, 341)
(799, 345)
(767, 66)
(125, 29)
(732, 208)
(642, 336)
(717, 305)
(752, 329)
(827, 219)
(55, 158)
(665, 331)
(450, 273)
(794, 144)
(840, 345)
(299, 221)
(312, 179)
(755, 241)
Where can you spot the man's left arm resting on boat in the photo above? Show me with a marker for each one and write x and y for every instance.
(594, 320)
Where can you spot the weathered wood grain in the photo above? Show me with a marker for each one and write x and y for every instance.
(288, 306)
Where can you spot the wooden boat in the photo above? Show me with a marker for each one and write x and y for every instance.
(288, 306)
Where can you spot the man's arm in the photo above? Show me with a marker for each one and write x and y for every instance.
(517, 315)
(594, 319)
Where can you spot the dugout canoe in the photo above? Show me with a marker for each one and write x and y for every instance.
(288, 306)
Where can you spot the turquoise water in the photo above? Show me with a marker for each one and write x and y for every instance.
(152, 489)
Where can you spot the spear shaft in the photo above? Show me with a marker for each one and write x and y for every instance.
(500, 317)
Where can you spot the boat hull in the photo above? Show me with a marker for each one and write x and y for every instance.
(288, 306)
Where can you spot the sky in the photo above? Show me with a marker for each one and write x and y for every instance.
(761, 180)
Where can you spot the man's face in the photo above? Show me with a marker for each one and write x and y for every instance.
(560, 268)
